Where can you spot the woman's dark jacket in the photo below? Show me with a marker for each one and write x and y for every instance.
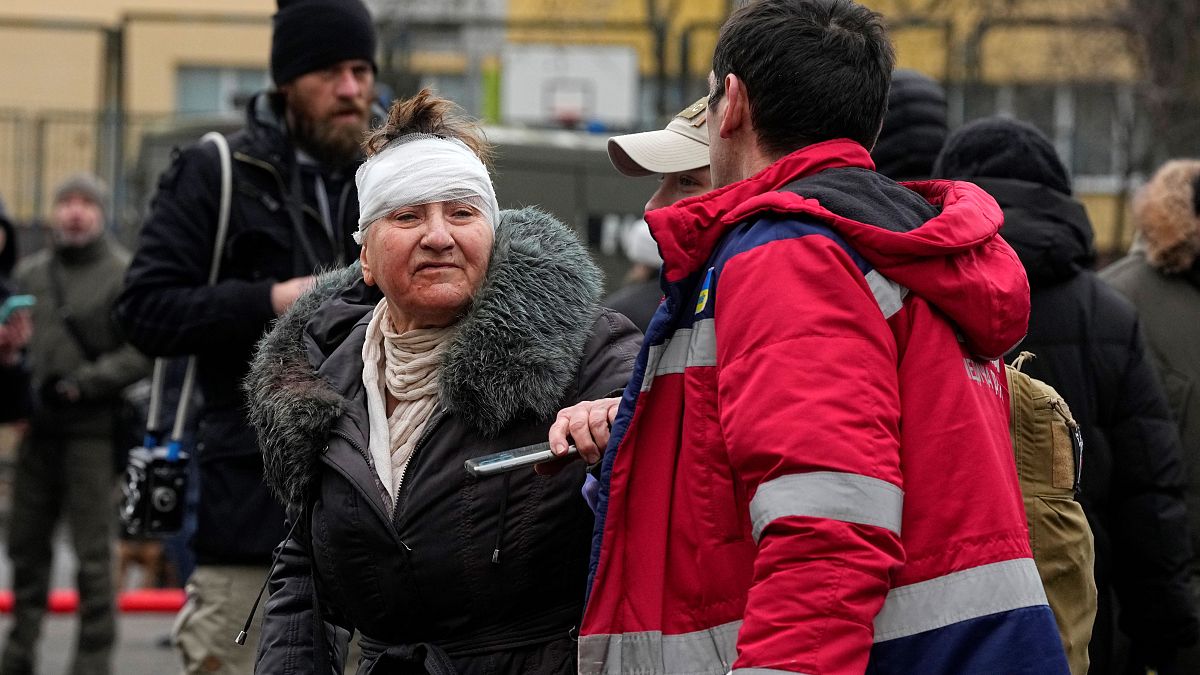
(489, 571)
(1089, 347)
(168, 308)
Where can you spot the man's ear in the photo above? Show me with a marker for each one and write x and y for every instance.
(736, 112)
(366, 266)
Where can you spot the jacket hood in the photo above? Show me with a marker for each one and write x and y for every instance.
(1049, 230)
(1167, 214)
(914, 128)
(1001, 147)
(515, 353)
(951, 257)
(266, 129)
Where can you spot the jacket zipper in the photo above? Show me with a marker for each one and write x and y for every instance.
(401, 496)
(283, 191)
(1056, 405)
(265, 166)
(373, 499)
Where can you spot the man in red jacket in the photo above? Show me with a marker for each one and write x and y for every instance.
(810, 471)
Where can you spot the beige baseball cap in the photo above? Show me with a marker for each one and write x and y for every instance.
(682, 146)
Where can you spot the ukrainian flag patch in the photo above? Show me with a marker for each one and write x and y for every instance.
(702, 301)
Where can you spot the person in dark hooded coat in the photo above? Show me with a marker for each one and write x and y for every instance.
(463, 332)
(1089, 346)
(914, 127)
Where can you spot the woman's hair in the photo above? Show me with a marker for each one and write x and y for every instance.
(426, 113)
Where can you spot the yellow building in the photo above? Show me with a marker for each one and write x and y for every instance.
(1061, 66)
(55, 83)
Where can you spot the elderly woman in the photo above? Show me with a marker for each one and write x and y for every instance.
(462, 334)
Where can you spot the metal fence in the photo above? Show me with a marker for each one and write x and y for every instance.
(37, 150)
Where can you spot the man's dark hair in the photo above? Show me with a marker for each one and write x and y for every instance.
(814, 70)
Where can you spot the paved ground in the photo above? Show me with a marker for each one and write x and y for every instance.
(139, 649)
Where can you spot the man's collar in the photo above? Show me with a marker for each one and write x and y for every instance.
(688, 230)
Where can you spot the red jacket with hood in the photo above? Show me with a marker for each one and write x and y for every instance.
(811, 469)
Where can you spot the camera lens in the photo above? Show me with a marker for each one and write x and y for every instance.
(163, 499)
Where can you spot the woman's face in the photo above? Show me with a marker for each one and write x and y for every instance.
(429, 260)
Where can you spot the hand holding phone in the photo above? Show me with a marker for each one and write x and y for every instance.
(585, 425)
(14, 303)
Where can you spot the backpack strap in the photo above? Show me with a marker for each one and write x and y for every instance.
(189, 379)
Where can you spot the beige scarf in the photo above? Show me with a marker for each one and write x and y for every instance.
(406, 366)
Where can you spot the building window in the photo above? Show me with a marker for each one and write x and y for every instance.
(206, 90)
(1089, 123)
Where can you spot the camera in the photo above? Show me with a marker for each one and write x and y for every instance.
(154, 492)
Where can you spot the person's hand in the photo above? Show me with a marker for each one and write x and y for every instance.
(284, 293)
(14, 335)
(59, 391)
(588, 425)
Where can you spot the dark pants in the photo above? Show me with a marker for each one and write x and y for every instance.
(68, 478)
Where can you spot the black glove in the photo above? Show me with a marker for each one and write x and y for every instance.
(58, 392)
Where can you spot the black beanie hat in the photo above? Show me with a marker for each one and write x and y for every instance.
(914, 128)
(998, 147)
(310, 35)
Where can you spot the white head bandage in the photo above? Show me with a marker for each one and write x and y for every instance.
(422, 169)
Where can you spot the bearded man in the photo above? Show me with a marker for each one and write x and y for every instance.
(294, 209)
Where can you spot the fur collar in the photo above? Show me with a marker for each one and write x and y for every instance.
(516, 352)
(1165, 213)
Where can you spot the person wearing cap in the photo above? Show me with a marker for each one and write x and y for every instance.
(461, 334)
(679, 155)
(79, 363)
(810, 470)
(294, 211)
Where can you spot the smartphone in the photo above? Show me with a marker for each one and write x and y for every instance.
(511, 460)
(14, 303)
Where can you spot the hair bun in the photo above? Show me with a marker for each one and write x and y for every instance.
(432, 115)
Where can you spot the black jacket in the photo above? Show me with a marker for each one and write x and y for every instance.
(1089, 347)
(637, 301)
(490, 572)
(275, 233)
(15, 396)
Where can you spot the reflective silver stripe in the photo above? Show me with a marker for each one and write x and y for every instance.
(711, 651)
(687, 348)
(908, 610)
(697, 346)
(848, 497)
(889, 294)
(957, 597)
(653, 358)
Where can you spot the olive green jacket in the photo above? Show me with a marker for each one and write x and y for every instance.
(1169, 304)
(90, 277)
